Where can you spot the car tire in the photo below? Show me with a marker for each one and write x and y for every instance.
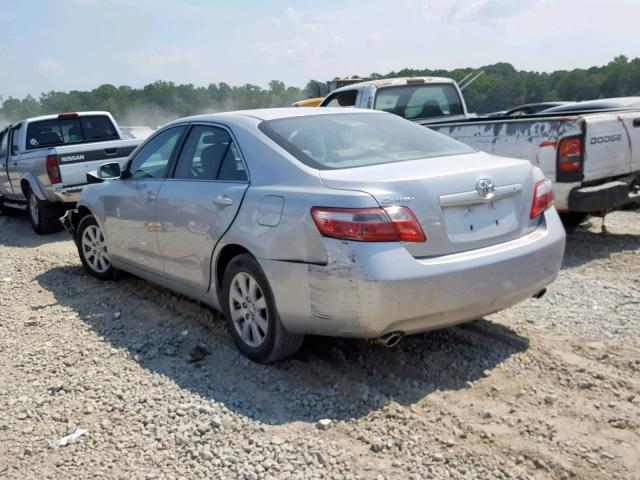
(44, 216)
(572, 220)
(93, 250)
(251, 314)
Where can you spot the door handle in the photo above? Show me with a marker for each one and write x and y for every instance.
(636, 122)
(110, 151)
(150, 196)
(222, 201)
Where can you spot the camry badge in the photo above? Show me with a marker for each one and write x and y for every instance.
(485, 188)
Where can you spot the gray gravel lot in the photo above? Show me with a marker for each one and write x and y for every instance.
(548, 389)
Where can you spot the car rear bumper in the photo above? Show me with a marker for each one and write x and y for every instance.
(600, 198)
(373, 289)
(69, 194)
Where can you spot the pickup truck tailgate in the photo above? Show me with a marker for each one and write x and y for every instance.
(612, 145)
(75, 161)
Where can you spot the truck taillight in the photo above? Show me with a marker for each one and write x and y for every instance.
(569, 166)
(542, 197)
(388, 224)
(64, 115)
(53, 170)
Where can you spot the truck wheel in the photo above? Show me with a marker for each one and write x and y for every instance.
(43, 215)
(250, 311)
(571, 220)
(93, 250)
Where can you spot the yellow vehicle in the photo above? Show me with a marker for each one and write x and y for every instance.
(309, 102)
(331, 85)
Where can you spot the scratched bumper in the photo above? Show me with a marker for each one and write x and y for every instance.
(376, 288)
(68, 223)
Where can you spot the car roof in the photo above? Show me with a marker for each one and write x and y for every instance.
(273, 114)
(392, 82)
(55, 116)
(601, 104)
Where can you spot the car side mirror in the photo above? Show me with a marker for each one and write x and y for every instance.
(109, 170)
(14, 150)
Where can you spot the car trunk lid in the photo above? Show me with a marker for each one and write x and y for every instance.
(462, 202)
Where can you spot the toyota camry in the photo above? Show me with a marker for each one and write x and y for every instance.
(336, 222)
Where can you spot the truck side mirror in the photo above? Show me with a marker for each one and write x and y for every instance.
(109, 170)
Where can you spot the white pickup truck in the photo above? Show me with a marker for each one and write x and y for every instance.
(593, 157)
(44, 162)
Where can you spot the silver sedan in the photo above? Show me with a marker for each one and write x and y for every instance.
(322, 221)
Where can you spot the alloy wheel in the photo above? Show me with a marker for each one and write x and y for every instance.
(94, 249)
(248, 307)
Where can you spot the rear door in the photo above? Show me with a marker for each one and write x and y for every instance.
(13, 164)
(198, 202)
(5, 184)
(130, 205)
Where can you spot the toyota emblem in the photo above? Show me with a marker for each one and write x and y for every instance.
(485, 188)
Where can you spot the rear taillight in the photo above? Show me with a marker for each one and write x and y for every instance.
(569, 167)
(388, 224)
(542, 197)
(53, 170)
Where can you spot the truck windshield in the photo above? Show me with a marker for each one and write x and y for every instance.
(334, 141)
(64, 131)
(419, 101)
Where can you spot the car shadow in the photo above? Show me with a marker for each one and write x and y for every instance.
(16, 231)
(329, 377)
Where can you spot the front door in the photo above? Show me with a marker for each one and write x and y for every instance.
(197, 204)
(130, 222)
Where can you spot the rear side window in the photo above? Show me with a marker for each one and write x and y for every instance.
(15, 133)
(343, 99)
(419, 101)
(65, 131)
(4, 143)
(210, 154)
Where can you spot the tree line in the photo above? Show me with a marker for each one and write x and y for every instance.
(501, 87)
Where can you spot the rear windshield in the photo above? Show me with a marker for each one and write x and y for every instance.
(335, 141)
(419, 101)
(65, 131)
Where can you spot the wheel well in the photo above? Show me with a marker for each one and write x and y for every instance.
(82, 212)
(228, 253)
(24, 185)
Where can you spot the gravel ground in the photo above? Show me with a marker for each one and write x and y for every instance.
(548, 389)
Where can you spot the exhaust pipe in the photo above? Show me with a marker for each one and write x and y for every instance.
(389, 340)
(541, 293)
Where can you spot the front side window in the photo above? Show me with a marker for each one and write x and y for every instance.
(152, 159)
(67, 130)
(419, 101)
(334, 141)
(343, 99)
(4, 143)
(15, 133)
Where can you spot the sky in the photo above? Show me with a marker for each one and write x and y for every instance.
(81, 44)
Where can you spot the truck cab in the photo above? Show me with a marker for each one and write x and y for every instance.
(44, 162)
(423, 99)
